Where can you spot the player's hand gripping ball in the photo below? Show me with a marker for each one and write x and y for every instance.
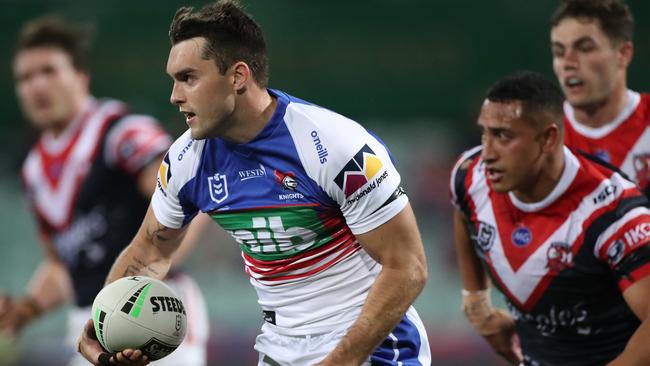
(140, 313)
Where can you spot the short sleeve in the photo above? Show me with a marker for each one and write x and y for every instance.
(625, 247)
(133, 142)
(177, 174)
(460, 176)
(352, 166)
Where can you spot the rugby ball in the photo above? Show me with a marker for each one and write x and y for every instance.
(140, 313)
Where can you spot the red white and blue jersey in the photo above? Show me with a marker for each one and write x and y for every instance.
(293, 198)
(562, 263)
(82, 188)
(624, 143)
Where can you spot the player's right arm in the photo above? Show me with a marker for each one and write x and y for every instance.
(149, 254)
(495, 325)
(150, 251)
(160, 235)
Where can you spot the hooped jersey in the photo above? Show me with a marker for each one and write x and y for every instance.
(624, 143)
(562, 263)
(83, 191)
(293, 198)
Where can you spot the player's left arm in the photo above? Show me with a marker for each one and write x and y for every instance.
(398, 247)
(637, 351)
(627, 251)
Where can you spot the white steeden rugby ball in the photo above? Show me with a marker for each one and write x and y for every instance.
(141, 313)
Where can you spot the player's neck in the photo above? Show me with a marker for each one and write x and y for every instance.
(605, 112)
(57, 128)
(543, 183)
(255, 109)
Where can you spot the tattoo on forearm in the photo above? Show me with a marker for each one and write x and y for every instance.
(144, 265)
(156, 234)
(133, 270)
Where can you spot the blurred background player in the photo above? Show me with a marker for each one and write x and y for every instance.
(591, 42)
(565, 239)
(327, 235)
(88, 179)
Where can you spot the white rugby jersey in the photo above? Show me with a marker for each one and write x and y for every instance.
(293, 198)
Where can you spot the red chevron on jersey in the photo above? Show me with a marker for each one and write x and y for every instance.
(531, 243)
(624, 142)
(59, 166)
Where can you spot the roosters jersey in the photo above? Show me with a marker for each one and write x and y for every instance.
(624, 143)
(564, 262)
(82, 187)
(293, 198)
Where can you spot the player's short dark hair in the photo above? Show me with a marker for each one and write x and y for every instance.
(541, 98)
(232, 36)
(614, 16)
(54, 31)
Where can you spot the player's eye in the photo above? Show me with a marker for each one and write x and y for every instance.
(557, 51)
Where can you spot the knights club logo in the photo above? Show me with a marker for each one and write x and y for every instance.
(218, 187)
(358, 171)
(286, 180)
(559, 257)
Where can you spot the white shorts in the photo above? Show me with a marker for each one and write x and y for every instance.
(406, 345)
(193, 350)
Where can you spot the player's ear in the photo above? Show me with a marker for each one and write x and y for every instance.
(84, 80)
(241, 75)
(551, 136)
(625, 53)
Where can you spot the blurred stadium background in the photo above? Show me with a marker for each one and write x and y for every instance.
(413, 71)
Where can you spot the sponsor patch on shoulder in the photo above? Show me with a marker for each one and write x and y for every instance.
(362, 170)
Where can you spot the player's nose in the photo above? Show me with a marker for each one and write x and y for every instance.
(177, 97)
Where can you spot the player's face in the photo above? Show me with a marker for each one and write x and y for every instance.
(202, 93)
(587, 64)
(49, 88)
(512, 149)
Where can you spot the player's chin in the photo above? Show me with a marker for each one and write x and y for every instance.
(501, 187)
(197, 133)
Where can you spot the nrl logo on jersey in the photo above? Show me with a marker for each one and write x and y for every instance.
(485, 236)
(218, 187)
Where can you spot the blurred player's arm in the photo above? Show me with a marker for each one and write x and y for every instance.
(48, 288)
(637, 351)
(495, 325)
(397, 246)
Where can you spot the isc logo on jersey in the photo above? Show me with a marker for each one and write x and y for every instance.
(358, 172)
(164, 174)
(640, 234)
